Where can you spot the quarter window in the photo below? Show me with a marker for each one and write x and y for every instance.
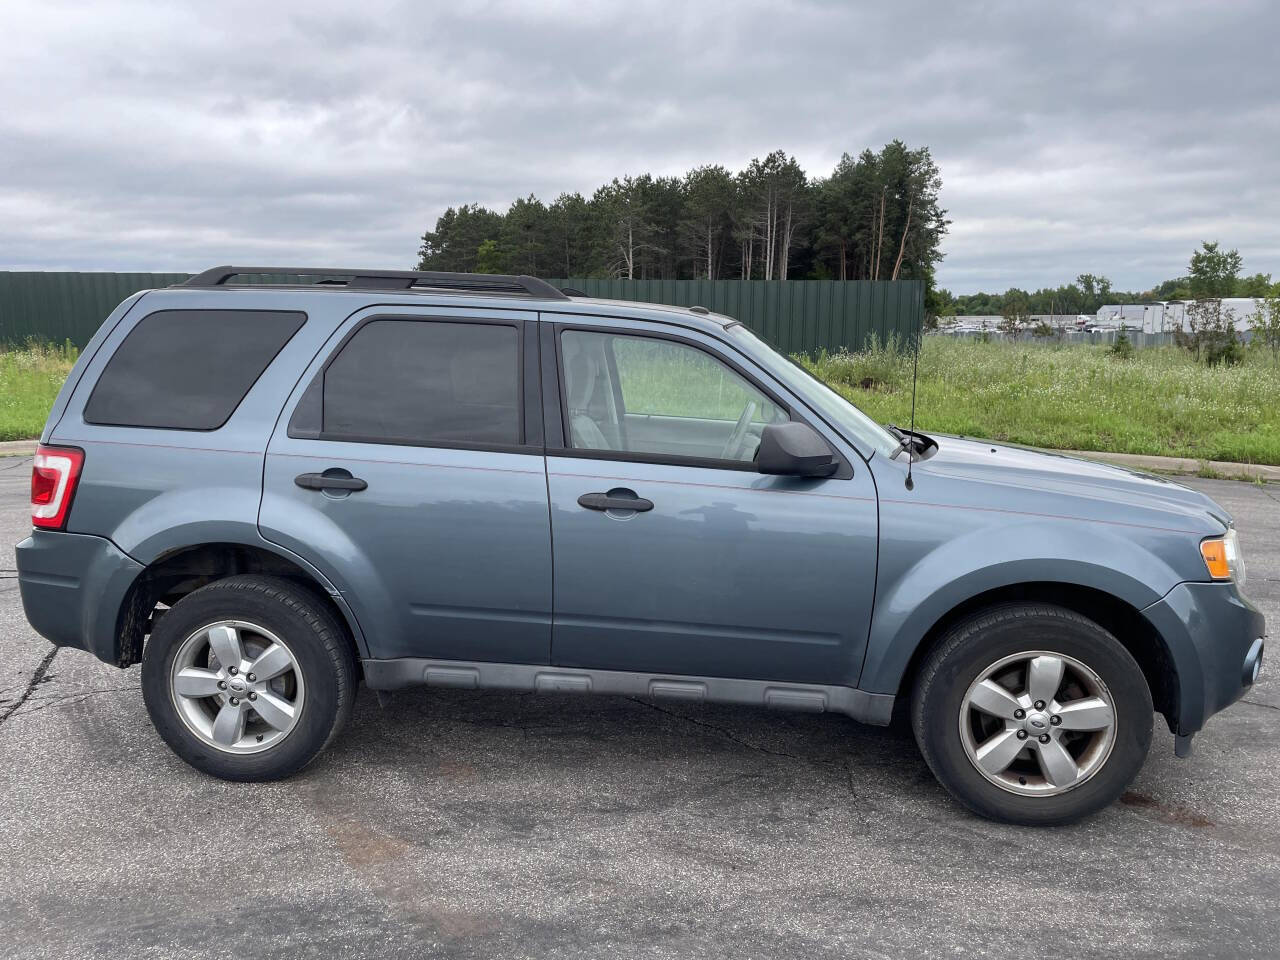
(646, 395)
(425, 382)
(188, 369)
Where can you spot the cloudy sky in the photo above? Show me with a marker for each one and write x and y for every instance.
(1072, 137)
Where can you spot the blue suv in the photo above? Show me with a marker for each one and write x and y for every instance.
(268, 492)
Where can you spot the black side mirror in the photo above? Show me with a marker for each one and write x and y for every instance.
(794, 450)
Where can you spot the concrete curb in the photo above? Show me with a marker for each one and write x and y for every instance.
(1184, 465)
(17, 448)
(1137, 461)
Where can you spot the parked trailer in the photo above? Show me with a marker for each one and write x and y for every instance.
(1166, 316)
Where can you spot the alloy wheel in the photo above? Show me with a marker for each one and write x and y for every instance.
(237, 686)
(1038, 723)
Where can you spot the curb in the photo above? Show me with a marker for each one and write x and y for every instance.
(1137, 461)
(18, 448)
(1183, 465)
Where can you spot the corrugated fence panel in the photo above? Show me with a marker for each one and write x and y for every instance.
(795, 315)
(66, 306)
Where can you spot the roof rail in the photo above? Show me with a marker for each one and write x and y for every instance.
(478, 283)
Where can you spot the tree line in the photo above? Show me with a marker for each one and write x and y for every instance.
(874, 217)
(1212, 273)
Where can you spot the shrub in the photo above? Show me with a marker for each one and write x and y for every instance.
(1266, 325)
(1211, 334)
(879, 365)
(1122, 349)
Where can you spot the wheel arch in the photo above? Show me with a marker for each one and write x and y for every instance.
(182, 570)
(1119, 617)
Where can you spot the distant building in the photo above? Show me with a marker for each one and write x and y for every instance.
(1166, 316)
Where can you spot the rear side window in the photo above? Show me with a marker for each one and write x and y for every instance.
(188, 369)
(425, 382)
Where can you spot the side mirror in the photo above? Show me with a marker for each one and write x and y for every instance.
(794, 450)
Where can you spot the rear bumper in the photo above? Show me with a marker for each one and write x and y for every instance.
(1213, 635)
(72, 588)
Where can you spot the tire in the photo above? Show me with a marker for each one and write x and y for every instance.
(308, 702)
(952, 732)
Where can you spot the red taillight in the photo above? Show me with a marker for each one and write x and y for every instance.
(53, 483)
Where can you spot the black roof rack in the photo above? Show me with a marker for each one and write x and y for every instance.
(389, 280)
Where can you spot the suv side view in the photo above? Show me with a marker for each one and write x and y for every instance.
(269, 492)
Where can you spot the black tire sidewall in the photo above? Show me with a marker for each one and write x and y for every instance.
(972, 648)
(290, 614)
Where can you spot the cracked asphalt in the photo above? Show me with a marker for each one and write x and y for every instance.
(471, 824)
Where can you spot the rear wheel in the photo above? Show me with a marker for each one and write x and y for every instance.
(1032, 714)
(248, 678)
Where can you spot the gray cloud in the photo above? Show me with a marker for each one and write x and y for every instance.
(1107, 137)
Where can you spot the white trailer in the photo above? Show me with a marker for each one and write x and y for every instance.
(1166, 316)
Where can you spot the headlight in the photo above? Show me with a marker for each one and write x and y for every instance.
(1222, 557)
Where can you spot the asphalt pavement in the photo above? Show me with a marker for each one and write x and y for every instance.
(497, 825)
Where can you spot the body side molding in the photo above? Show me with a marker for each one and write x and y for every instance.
(872, 708)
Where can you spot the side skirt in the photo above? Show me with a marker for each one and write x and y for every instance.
(873, 708)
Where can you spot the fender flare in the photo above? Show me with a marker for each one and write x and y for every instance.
(221, 532)
(909, 607)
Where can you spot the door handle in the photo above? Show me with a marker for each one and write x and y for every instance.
(321, 481)
(604, 501)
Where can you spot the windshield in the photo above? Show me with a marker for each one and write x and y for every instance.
(835, 409)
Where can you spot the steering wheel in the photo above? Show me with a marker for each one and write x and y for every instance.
(739, 432)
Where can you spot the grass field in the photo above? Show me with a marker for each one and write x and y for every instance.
(1073, 397)
(29, 380)
(1069, 397)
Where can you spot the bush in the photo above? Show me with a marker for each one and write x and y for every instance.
(1211, 334)
(1266, 325)
(879, 365)
(1122, 349)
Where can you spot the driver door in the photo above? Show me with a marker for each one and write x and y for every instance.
(671, 554)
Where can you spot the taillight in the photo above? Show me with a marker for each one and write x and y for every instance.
(53, 483)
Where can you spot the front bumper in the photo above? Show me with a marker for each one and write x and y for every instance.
(73, 586)
(1214, 636)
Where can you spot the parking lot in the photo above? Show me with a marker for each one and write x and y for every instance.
(472, 824)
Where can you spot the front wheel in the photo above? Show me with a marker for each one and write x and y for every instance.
(1032, 714)
(248, 678)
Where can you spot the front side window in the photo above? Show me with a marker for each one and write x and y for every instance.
(645, 395)
(425, 382)
(835, 409)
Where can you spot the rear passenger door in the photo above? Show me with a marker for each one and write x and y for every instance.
(408, 467)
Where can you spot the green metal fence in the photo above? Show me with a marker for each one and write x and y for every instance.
(795, 315)
(66, 306)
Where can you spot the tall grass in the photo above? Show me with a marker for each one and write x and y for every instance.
(1078, 397)
(30, 377)
(1072, 397)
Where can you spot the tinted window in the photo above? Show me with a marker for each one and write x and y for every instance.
(654, 396)
(188, 369)
(415, 381)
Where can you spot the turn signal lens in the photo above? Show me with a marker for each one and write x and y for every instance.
(1214, 552)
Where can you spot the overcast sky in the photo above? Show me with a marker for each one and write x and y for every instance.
(1071, 137)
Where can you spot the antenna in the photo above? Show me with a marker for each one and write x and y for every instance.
(915, 367)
